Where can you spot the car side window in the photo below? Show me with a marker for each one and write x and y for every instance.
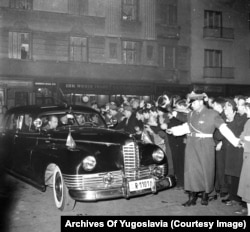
(80, 118)
(66, 120)
(13, 122)
(49, 122)
(27, 123)
(9, 125)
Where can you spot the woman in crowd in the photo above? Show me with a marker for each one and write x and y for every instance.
(244, 187)
(233, 155)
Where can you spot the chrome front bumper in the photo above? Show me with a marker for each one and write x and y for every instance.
(120, 192)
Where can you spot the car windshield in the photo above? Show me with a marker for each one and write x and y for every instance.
(58, 120)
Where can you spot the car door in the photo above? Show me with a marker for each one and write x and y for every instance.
(24, 143)
(46, 149)
(7, 135)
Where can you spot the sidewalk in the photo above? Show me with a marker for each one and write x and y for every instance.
(174, 198)
(28, 209)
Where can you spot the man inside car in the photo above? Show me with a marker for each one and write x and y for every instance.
(52, 123)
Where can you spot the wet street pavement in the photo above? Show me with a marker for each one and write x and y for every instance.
(27, 209)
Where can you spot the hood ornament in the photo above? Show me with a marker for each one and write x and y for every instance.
(70, 143)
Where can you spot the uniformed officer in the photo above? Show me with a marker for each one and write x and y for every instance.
(199, 168)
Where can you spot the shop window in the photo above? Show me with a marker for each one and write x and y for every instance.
(129, 10)
(78, 49)
(45, 96)
(21, 4)
(19, 45)
(213, 58)
(113, 50)
(131, 51)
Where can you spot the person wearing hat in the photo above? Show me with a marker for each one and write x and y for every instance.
(199, 167)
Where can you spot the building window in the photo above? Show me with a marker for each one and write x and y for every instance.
(166, 13)
(113, 50)
(213, 58)
(21, 4)
(168, 57)
(78, 49)
(131, 52)
(78, 7)
(19, 45)
(212, 19)
(130, 10)
(150, 50)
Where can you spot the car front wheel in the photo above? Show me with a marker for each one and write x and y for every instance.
(61, 194)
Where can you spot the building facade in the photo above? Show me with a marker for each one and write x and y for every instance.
(96, 50)
(82, 49)
(219, 42)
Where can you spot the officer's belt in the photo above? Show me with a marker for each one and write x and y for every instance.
(200, 135)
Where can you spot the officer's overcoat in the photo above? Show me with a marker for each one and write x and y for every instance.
(199, 168)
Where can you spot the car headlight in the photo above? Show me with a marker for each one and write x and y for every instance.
(89, 163)
(158, 155)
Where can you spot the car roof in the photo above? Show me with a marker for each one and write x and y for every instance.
(34, 109)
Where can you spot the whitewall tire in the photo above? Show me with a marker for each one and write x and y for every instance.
(60, 191)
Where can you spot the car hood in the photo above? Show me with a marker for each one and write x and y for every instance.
(94, 135)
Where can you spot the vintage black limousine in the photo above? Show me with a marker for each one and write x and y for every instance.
(81, 159)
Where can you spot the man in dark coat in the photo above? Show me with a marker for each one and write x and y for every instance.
(130, 123)
(220, 184)
(199, 169)
(178, 143)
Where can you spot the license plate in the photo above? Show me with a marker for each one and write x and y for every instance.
(141, 184)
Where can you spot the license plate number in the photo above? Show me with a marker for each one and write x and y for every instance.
(141, 184)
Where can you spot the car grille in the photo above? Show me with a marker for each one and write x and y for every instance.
(132, 171)
(132, 167)
(131, 160)
(93, 181)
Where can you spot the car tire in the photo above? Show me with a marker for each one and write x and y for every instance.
(61, 193)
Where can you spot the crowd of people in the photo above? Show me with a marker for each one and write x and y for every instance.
(206, 140)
